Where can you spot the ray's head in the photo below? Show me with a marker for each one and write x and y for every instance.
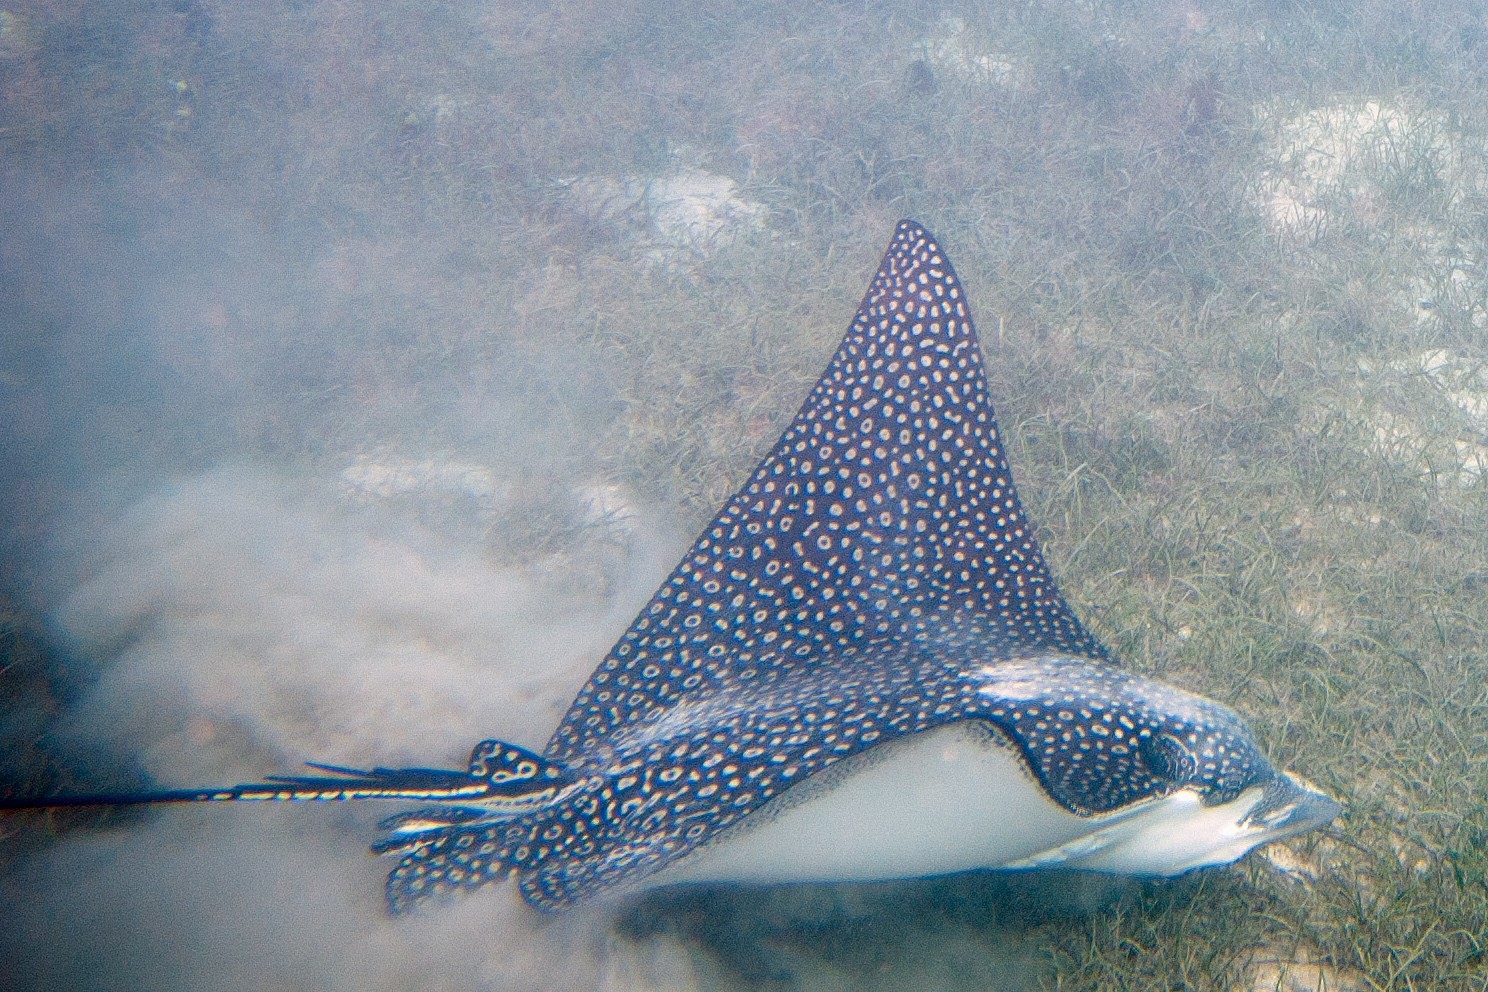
(1106, 742)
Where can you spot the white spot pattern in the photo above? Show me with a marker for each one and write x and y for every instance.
(875, 578)
(886, 510)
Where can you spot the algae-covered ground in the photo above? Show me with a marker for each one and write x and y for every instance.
(363, 368)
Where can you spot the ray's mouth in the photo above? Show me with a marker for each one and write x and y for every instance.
(1291, 805)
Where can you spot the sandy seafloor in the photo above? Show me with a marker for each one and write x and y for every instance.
(362, 370)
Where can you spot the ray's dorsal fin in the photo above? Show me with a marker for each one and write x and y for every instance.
(886, 513)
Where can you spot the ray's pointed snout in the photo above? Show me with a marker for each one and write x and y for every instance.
(1292, 805)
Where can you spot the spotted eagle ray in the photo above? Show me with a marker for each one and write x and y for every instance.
(861, 670)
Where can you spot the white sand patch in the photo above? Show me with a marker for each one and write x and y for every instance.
(1429, 412)
(954, 49)
(1389, 175)
(369, 478)
(1324, 159)
(680, 216)
(1299, 973)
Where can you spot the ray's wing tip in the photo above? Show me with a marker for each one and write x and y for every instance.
(909, 230)
(912, 247)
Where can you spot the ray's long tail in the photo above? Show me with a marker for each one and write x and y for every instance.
(341, 784)
(492, 800)
(502, 781)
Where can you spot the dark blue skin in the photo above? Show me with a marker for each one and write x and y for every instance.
(874, 579)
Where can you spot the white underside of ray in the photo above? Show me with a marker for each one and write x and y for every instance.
(955, 799)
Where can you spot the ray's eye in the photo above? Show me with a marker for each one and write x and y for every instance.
(1168, 758)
